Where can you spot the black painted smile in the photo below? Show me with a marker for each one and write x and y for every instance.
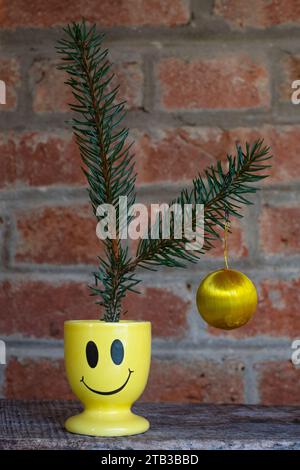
(112, 392)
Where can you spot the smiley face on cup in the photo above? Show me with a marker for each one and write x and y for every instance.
(107, 362)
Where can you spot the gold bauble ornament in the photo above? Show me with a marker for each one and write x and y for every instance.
(226, 299)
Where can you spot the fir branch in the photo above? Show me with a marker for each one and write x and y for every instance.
(104, 150)
(219, 192)
(109, 168)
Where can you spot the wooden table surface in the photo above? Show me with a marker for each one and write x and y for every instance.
(39, 425)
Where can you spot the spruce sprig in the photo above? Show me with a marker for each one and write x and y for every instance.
(219, 191)
(109, 169)
(102, 141)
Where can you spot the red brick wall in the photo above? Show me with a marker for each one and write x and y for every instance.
(197, 76)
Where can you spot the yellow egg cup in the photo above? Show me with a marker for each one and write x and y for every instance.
(107, 367)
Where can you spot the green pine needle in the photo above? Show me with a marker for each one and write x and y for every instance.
(105, 153)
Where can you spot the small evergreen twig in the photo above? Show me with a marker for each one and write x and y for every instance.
(106, 155)
(220, 192)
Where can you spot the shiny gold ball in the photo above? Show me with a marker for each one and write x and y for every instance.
(226, 299)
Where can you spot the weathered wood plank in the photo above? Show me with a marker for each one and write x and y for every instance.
(39, 425)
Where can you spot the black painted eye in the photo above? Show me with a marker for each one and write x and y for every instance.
(92, 354)
(117, 351)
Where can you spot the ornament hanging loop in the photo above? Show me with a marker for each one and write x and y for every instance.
(226, 230)
(226, 298)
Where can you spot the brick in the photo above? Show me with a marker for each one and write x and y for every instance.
(195, 381)
(177, 154)
(39, 159)
(8, 175)
(290, 71)
(57, 235)
(169, 381)
(50, 94)
(278, 383)
(38, 309)
(10, 74)
(162, 155)
(258, 13)
(279, 230)
(283, 141)
(38, 13)
(277, 312)
(166, 310)
(227, 82)
(129, 76)
(34, 379)
(2, 235)
(237, 244)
